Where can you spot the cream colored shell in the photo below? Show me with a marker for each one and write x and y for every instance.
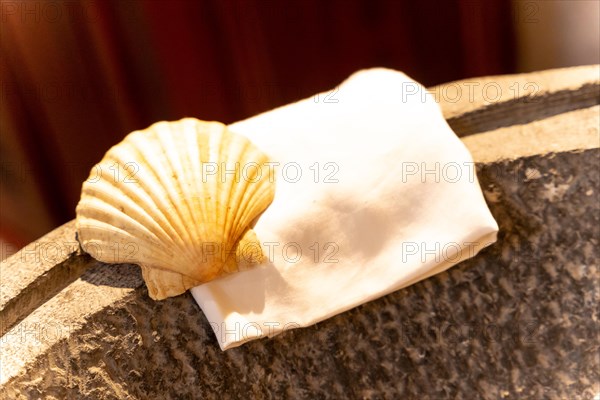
(179, 199)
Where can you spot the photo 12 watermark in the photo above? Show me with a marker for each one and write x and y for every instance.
(37, 333)
(237, 331)
(438, 172)
(51, 252)
(438, 252)
(470, 91)
(227, 172)
(208, 252)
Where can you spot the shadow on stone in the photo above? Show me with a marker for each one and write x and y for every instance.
(114, 275)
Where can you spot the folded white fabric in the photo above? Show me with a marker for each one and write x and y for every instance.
(374, 192)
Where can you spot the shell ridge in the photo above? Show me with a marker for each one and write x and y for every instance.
(168, 182)
(235, 187)
(205, 194)
(173, 143)
(217, 146)
(251, 208)
(202, 155)
(102, 190)
(124, 254)
(192, 157)
(153, 181)
(118, 221)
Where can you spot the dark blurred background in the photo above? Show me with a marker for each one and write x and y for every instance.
(78, 76)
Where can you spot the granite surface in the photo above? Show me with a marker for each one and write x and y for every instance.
(519, 320)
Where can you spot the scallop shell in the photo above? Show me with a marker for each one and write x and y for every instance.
(179, 199)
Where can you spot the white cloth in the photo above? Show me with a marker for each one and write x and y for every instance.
(387, 196)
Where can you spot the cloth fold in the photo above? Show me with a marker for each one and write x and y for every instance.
(374, 192)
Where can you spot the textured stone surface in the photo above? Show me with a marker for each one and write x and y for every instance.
(486, 103)
(553, 134)
(39, 271)
(519, 320)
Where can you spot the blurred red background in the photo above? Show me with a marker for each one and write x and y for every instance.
(78, 76)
